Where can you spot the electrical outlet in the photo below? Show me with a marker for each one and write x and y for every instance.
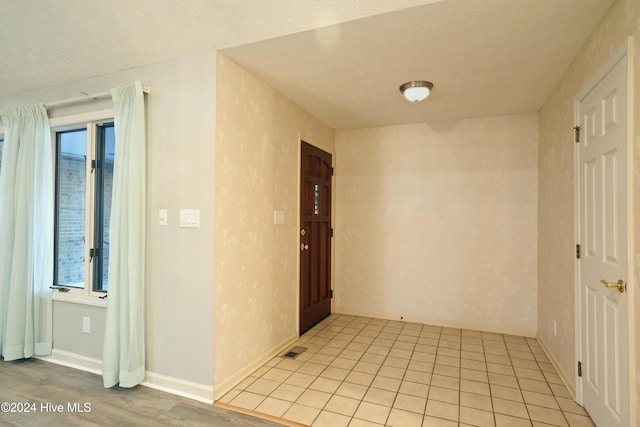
(555, 328)
(86, 325)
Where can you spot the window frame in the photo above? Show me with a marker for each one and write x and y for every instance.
(89, 121)
(99, 145)
(1, 144)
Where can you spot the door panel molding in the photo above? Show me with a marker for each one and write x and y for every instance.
(593, 308)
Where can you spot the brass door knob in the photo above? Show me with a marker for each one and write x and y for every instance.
(619, 285)
(304, 247)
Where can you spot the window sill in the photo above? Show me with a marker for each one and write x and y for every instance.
(79, 299)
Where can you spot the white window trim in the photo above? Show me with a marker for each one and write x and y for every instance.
(76, 119)
(77, 296)
(86, 295)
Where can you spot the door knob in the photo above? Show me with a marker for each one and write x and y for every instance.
(304, 247)
(619, 285)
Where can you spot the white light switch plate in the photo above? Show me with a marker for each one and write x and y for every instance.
(190, 218)
(162, 217)
(278, 217)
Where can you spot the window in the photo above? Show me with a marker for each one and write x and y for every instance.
(84, 158)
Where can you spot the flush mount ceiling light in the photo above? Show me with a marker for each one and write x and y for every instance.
(416, 91)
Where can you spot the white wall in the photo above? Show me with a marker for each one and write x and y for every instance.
(179, 288)
(437, 222)
(67, 329)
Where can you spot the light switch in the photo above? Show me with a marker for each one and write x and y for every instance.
(190, 218)
(162, 217)
(278, 217)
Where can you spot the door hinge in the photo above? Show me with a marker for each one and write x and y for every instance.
(576, 132)
(579, 369)
(331, 233)
(330, 293)
(332, 171)
(578, 253)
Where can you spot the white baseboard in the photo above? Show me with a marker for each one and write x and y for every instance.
(563, 375)
(180, 387)
(228, 384)
(73, 360)
(173, 385)
(531, 333)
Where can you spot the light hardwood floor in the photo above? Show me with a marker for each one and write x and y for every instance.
(43, 388)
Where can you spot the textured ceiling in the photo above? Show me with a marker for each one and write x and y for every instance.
(47, 42)
(485, 57)
(340, 60)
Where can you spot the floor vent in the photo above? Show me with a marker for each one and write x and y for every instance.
(294, 352)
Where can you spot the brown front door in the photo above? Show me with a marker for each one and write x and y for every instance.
(315, 236)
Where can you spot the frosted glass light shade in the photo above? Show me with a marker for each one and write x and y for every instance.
(416, 91)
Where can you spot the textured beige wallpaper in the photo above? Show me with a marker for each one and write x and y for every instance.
(256, 262)
(437, 222)
(634, 330)
(556, 188)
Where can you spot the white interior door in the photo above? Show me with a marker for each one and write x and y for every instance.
(603, 235)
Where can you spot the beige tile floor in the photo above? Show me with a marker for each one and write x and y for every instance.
(359, 371)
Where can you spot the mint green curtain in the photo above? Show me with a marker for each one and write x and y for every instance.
(26, 233)
(124, 344)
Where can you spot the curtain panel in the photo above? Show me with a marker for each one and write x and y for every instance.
(124, 344)
(26, 233)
